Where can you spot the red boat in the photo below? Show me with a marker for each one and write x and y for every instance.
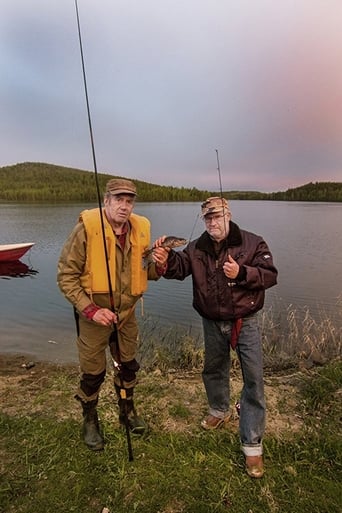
(11, 252)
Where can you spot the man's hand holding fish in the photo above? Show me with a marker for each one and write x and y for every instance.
(160, 250)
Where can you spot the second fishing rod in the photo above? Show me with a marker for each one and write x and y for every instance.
(237, 323)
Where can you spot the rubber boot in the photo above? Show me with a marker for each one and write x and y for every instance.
(126, 407)
(91, 431)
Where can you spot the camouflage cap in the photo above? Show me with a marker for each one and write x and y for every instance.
(121, 186)
(215, 205)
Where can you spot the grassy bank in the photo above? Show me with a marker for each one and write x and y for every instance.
(177, 466)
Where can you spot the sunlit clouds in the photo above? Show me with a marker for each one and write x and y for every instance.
(169, 82)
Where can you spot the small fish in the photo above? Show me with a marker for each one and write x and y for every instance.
(170, 242)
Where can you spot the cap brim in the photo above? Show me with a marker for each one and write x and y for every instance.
(122, 191)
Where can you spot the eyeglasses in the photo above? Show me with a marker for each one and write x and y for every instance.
(213, 218)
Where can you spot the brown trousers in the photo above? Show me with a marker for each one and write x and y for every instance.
(92, 344)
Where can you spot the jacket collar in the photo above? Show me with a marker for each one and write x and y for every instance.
(206, 243)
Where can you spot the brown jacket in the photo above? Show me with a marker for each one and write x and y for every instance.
(214, 296)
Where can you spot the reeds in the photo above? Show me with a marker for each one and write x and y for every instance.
(291, 338)
(300, 339)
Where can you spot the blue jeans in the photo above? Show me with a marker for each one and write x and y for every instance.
(216, 378)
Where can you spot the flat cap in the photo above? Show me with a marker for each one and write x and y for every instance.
(121, 186)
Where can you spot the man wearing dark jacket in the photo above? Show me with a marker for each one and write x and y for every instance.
(231, 268)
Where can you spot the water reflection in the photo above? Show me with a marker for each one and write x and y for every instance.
(15, 269)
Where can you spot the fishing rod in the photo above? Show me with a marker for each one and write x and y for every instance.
(219, 173)
(99, 200)
(221, 195)
(221, 192)
(237, 323)
(114, 338)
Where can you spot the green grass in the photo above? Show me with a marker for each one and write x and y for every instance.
(49, 470)
(46, 467)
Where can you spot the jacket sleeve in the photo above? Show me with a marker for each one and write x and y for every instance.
(260, 272)
(178, 265)
(70, 268)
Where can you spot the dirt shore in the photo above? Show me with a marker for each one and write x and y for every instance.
(31, 387)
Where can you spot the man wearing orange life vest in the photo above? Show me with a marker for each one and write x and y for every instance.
(83, 279)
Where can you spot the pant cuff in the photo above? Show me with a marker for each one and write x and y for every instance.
(219, 414)
(252, 450)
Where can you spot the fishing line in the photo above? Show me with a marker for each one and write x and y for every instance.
(114, 335)
(193, 228)
(221, 195)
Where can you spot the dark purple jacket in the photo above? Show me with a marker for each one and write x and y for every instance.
(216, 297)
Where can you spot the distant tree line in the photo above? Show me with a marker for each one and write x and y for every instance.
(318, 191)
(39, 182)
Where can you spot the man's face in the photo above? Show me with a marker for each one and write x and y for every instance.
(217, 225)
(119, 207)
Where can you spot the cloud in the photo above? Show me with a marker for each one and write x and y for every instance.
(169, 82)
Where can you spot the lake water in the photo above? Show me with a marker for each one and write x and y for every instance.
(305, 239)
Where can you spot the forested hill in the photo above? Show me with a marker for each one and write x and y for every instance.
(31, 181)
(39, 182)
